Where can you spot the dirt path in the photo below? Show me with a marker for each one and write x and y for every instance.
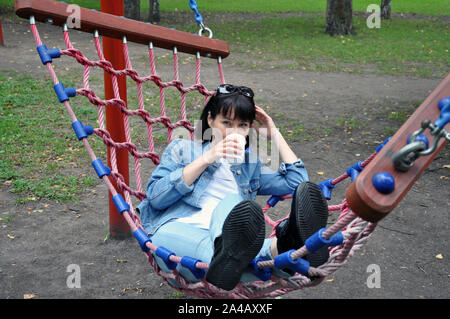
(42, 238)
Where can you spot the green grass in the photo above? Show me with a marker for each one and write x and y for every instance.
(438, 7)
(39, 151)
(399, 47)
(430, 7)
(37, 147)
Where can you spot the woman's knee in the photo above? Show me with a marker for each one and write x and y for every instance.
(184, 240)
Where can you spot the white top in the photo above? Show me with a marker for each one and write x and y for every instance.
(222, 183)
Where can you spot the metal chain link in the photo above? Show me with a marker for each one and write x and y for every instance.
(199, 19)
(404, 159)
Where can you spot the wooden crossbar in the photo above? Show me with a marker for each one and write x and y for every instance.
(362, 196)
(116, 27)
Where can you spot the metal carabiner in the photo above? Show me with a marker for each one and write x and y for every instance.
(204, 28)
(404, 159)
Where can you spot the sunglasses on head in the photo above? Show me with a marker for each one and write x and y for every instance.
(229, 89)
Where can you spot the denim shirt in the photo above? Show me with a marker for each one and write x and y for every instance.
(170, 198)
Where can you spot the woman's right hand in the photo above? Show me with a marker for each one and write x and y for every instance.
(226, 148)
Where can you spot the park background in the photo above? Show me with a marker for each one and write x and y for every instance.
(333, 98)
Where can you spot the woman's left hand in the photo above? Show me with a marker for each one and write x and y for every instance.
(266, 124)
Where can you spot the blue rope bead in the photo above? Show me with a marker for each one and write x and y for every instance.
(142, 237)
(189, 263)
(285, 260)
(316, 241)
(165, 254)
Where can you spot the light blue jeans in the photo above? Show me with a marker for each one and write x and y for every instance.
(187, 240)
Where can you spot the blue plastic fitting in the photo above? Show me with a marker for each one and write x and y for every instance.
(189, 263)
(120, 204)
(262, 273)
(101, 169)
(272, 201)
(198, 17)
(316, 241)
(327, 188)
(82, 131)
(193, 4)
(379, 147)
(46, 55)
(443, 102)
(165, 255)
(444, 117)
(383, 182)
(419, 138)
(64, 93)
(142, 237)
(284, 260)
(194, 7)
(354, 170)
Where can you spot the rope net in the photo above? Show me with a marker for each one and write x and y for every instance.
(355, 231)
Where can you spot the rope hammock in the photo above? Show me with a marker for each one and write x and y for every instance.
(347, 235)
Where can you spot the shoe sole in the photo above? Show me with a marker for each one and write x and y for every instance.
(243, 235)
(312, 214)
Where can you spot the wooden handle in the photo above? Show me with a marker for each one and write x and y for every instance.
(116, 27)
(361, 195)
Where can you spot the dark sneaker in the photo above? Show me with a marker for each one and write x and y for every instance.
(309, 213)
(242, 238)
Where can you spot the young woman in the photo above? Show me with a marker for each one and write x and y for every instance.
(200, 198)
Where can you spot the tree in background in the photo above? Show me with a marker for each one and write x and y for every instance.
(385, 9)
(132, 9)
(339, 18)
(153, 11)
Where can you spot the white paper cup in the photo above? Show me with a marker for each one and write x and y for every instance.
(240, 157)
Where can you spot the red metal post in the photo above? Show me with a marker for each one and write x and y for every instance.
(1, 34)
(113, 52)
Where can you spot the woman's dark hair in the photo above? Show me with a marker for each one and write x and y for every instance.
(223, 103)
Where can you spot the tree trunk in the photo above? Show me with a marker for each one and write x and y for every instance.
(339, 17)
(153, 11)
(132, 9)
(385, 9)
